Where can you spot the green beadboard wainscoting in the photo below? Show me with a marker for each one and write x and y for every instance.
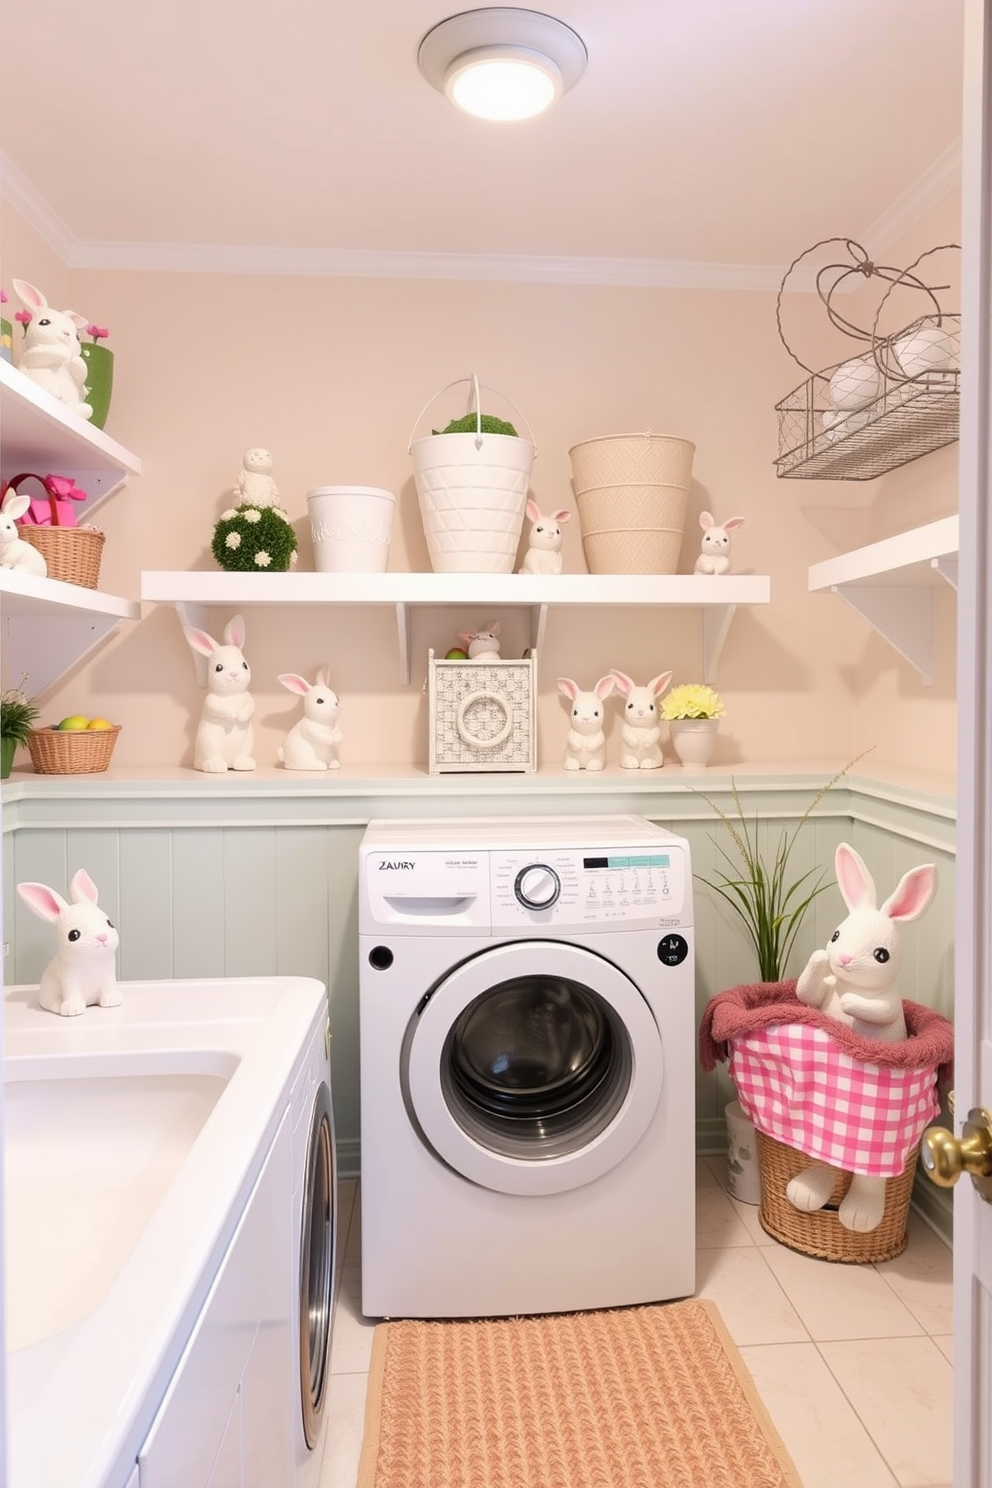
(241, 876)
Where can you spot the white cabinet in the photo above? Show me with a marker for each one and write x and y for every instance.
(715, 596)
(49, 626)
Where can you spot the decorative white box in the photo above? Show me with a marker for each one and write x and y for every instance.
(482, 715)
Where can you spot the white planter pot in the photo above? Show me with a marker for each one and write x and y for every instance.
(351, 528)
(472, 491)
(693, 740)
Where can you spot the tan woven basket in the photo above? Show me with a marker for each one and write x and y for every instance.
(632, 491)
(72, 751)
(821, 1233)
(71, 554)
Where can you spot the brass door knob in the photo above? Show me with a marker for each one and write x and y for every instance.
(945, 1156)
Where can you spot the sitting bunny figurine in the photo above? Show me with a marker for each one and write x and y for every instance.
(15, 553)
(481, 645)
(255, 486)
(83, 970)
(585, 746)
(854, 980)
(640, 737)
(312, 743)
(224, 735)
(543, 555)
(714, 556)
(50, 353)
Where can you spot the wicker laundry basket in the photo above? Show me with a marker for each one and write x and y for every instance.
(72, 751)
(821, 1233)
(631, 491)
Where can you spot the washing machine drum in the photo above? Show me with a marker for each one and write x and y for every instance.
(534, 1068)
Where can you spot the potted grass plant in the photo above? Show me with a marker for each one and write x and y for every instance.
(18, 714)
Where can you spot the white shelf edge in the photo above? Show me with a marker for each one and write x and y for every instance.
(24, 402)
(49, 627)
(907, 550)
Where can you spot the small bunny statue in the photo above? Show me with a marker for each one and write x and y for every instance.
(481, 645)
(313, 742)
(224, 735)
(543, 555)
(585, 746)
(714, 556)
(15, 553)
(50, 353)
(854, 979)
(83, 970)
(255, 486)
(640, 737)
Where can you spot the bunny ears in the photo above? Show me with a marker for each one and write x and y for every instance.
(908, 900)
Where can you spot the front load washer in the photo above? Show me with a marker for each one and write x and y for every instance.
(527, 1066)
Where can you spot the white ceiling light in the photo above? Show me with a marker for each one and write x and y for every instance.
(502, 63)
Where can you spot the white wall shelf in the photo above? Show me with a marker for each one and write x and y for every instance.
(42, 435)
(49, 626)
(716, 596)
(890, 584)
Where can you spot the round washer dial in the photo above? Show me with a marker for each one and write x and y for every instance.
(537, 886)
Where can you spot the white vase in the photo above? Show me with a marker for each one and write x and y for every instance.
(693, 740)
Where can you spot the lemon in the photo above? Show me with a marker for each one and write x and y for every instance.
(99, 723)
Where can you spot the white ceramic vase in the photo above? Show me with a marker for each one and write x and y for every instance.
(693, 740)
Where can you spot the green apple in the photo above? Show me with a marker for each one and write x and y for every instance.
(75, 721)
(456, 654)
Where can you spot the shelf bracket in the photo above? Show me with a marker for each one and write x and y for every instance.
(902, 616)
(716, 623)
(195, 615)
(947, 567)
(538, 625)
(39, 645)
(403, 636)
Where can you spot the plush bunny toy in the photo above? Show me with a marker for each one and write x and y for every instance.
(312, 743)
(585, 746)
(854, 979)
(50, 353)
(543, 555)
(481, 645)
(83, 971)
(15, 553)
(224, 735)
(714, 556)
(640, 737)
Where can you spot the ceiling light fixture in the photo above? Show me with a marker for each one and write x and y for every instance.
(502, 63)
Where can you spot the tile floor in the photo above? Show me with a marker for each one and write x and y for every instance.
(853, 1362)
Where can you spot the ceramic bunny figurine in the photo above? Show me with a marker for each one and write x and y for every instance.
(255, 486)
(83, 970)
(714, 556)
(50, 354)
(312, 743)
(854, 980)
(481, 645)
(224, 735)
(585, 746)
(640, 737)
(15, 553)
(543, 555)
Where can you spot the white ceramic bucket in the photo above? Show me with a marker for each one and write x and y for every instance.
(743, 1173)
(351, 528)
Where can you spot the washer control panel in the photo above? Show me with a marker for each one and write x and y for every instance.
(596, 889)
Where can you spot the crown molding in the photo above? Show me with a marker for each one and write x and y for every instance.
(16, 189)
(911, 205)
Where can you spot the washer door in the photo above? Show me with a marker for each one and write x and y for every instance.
(534, 1067)
(317, 1263)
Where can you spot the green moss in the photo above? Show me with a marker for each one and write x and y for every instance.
(254, 539)
(470, 423)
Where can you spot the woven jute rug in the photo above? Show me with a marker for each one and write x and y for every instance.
(639, 1397)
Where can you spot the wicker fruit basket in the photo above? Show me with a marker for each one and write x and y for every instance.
(72, 751)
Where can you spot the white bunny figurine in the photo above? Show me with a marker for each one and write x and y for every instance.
(543, 555)
(83, 970)
(714, 556)
(50, 353)
(640, 737)
(15, 553)
(481, 645)
(585, 746)
(854, 980)
(312, 743)
(255, 485)
(224, 735)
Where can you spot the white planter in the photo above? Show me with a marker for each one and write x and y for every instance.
(351, 528)
(694, 740)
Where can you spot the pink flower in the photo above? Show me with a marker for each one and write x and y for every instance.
(99, 333)
(3, 297)
(24, 316)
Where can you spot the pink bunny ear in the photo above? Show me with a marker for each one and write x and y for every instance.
(41, 900)
(624, 682)
(706, 520)
(15, 504)
(79, 321)
(234, 632)
(856, 884)
(533, 511)
(200, 641)
(28, 295)
(324, 676)
(493, 629)
(294, 682)
(605, 686)
(567, 686)
(82, 889)
(466, 637)
(912, 894)
(561, 517)
(732, 524)
(658, 684)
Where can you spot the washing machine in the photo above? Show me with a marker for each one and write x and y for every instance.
(527, 1065)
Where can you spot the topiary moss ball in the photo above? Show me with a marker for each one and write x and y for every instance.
(470, 423)
(254, 539)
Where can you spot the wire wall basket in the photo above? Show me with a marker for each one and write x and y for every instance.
(895, 399)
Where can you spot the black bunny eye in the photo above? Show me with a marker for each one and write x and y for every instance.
(245, 665)
(73, 935)
(835, 936)
(881, 954)
(595, 712)
(321, 701)
(219, 667)
(46, 321)
(538, 529)
(111, 924)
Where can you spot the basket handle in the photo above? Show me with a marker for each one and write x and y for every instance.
(476, 387)
(43, 480)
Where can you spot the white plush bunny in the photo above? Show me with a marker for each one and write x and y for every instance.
(50, 353)
(312, 743)
(83, 970)
(854, 979)
(224, 735)
(640, 737)
(543, 555)
(585, 746)
(481, 645)
(714, 556)
(15, 553)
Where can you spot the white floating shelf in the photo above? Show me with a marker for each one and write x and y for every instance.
(890, 584)
(49, 626)
(717, 596)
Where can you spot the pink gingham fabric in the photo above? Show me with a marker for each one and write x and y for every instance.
(797, 1085)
